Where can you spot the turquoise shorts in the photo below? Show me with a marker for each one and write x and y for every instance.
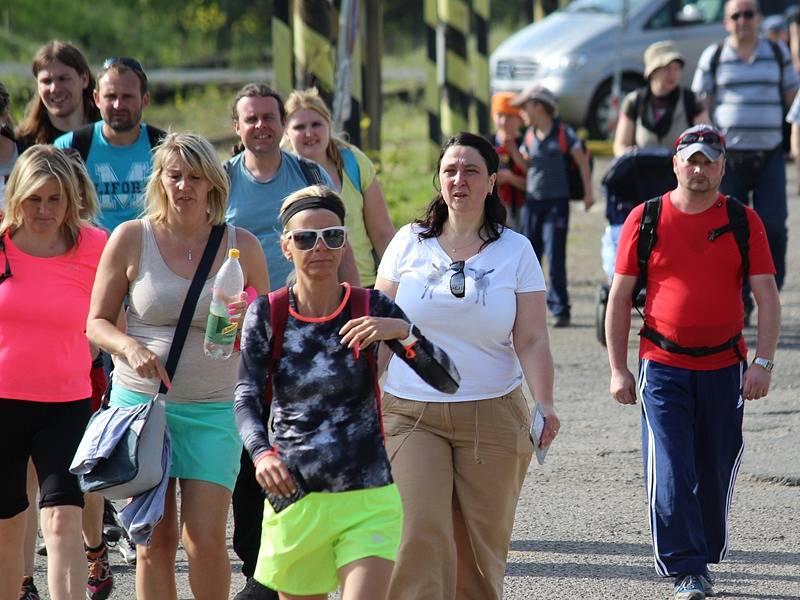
(304, 546)
(205, 442)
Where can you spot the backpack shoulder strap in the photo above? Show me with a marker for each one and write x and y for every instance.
(278, 317)
(310, 172)
(778, 54)
(359, 307)
(714, 65)
(82, 140)
(562, 139)
(740, 227)
(647, 240)
(351, 168)
(689, 105)
(741, 231)
(154, 135)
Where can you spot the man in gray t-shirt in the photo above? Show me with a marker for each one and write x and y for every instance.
(747, 81)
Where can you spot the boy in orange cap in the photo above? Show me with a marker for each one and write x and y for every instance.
(510, 177)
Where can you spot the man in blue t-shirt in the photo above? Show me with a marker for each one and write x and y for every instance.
(262, 176)
(117, 150)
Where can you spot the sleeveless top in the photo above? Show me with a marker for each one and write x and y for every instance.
(155, 300)
(645, 138)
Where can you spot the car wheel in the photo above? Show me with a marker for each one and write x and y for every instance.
(600, 108)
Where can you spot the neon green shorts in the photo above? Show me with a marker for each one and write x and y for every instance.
(304, 546)
(205, 442)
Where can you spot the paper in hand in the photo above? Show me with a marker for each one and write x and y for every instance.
(537, 429)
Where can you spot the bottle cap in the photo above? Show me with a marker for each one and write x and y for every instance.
(233, 253)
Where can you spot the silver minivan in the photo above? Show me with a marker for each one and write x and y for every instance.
(573, 50)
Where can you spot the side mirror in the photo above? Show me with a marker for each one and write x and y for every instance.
(690, 15)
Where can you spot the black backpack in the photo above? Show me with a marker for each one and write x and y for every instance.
(82, 138)
(737, 224)
(776, 51)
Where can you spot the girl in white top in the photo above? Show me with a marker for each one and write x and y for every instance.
(477, 291)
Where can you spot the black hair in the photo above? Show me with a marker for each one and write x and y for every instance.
(494, 213)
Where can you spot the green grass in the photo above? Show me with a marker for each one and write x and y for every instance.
(406, 168)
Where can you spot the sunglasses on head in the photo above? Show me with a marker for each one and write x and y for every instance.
(131, 63)
(7, 271)
(306, 239)
(709, 138)
(457, 279)
(744, 14)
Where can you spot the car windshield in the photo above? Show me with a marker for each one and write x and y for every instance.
(609, 7)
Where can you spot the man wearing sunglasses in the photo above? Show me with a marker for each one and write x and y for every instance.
(117, 149)
(749, 82)
(693, 373)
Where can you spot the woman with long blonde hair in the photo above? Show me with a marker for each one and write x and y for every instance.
(309, 130)
(48, 259)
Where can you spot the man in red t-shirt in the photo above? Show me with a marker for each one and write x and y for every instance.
(693, 374)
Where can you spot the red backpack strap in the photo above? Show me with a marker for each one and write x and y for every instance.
(359, 307)
(562, 139)
(278, 316)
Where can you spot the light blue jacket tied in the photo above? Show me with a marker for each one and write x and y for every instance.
(145, 510)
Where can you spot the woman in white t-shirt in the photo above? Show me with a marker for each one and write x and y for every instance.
(478, 292)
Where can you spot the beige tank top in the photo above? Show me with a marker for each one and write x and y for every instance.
(644, 138)
(155, 300)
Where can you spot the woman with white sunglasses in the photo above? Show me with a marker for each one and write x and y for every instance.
(332, 515)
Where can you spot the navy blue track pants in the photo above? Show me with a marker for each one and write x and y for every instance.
(692, 448)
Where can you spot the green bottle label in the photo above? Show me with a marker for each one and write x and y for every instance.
(219, 330)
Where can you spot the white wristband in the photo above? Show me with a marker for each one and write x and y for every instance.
(410, 339)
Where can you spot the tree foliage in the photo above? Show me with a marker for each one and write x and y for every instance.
(186, 32)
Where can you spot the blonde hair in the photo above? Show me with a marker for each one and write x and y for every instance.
(90, 207)
(33, 169)
(310, 99)
(201, 158)
(312, 191)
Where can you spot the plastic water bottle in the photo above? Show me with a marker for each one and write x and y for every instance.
(228, 286)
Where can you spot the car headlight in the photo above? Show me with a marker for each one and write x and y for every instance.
(554, 65)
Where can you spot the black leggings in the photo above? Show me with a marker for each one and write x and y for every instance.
(49, 433)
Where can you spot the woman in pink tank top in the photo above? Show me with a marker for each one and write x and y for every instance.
(48, 259)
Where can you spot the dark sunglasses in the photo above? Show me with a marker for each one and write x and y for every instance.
(131, 63)
(745, 14)
(709, 138)
(7, 272)
(457, 279)
(306, 239)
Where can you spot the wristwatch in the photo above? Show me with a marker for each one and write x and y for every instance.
(764, 363)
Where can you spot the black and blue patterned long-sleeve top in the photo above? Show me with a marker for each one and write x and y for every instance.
(325, 415)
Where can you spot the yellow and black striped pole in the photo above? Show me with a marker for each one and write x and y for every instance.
(282, 51)
(454, 82)
(372, 36)
(479, 64)
(313, 46)
(432, 99)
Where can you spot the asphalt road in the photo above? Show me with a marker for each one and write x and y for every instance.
(581, 530)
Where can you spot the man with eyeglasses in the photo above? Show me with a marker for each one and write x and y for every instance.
(117, 149)
(261, 177)
(748, 82)
(691, 250)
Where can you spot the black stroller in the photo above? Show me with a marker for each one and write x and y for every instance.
(631, 179)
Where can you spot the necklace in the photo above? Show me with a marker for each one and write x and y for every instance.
(459, 248)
